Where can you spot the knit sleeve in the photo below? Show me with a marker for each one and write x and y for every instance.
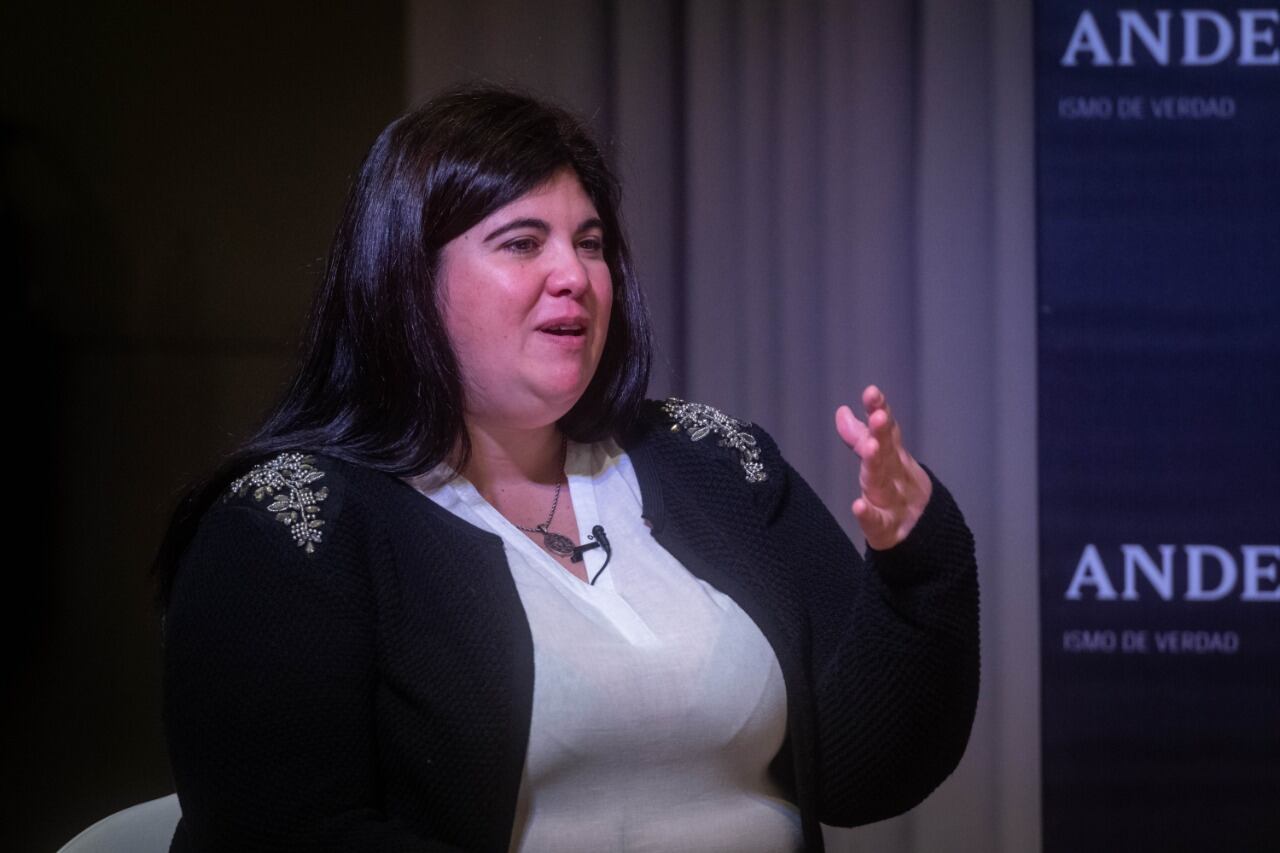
(894, 651)
(268, 691)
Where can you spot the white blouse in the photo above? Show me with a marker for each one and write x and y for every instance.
(657, 703)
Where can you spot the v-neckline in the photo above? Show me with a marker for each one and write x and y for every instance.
(581, 488)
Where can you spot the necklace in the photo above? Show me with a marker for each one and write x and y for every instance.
(554, 542)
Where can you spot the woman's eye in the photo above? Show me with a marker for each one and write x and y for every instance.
(594, 245)
(522, 245)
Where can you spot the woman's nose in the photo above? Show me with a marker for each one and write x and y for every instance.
(568, 275)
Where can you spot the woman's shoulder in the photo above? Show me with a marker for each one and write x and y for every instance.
(282, 529)
(300, 492)
(710, 435)
(292, 508)
(313, 506)
(280, 556)
(715, 458)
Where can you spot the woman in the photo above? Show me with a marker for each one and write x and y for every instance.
(466, 589)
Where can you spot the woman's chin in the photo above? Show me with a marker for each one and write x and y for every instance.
(538, 407)
(561, 388)
(558, 403)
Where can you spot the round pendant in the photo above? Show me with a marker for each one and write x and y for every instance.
(558, 544)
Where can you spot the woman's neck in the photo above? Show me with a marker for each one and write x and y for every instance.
(502, 459)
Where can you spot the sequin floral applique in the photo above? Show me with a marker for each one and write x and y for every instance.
(287, 480)
(700, 420)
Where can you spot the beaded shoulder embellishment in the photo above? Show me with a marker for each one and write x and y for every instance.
(701, 420)
(287, 480)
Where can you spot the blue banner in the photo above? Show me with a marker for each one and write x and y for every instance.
(1158, 202)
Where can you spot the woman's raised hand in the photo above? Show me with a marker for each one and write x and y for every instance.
(895, 489)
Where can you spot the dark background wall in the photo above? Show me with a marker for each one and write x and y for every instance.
(169, 178)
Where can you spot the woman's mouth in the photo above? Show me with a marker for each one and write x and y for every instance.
(565, 329)
(569, 337)
(566, 325)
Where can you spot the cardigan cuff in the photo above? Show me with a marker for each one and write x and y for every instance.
(915, 559)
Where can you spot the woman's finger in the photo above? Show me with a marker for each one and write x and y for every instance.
(872, 398)
(880, 419)
(868, 450)
(884, 473)
(879, 476)
(882, 425)
(852, 431)
(877, 525)
(873, 477)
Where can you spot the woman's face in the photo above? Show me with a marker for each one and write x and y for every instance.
(526, 296)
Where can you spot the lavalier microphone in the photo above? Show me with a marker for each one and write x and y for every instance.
(598, 540)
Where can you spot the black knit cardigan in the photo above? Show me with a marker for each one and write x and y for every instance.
(348, 665)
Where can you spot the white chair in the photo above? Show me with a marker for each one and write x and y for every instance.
(144, 828)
